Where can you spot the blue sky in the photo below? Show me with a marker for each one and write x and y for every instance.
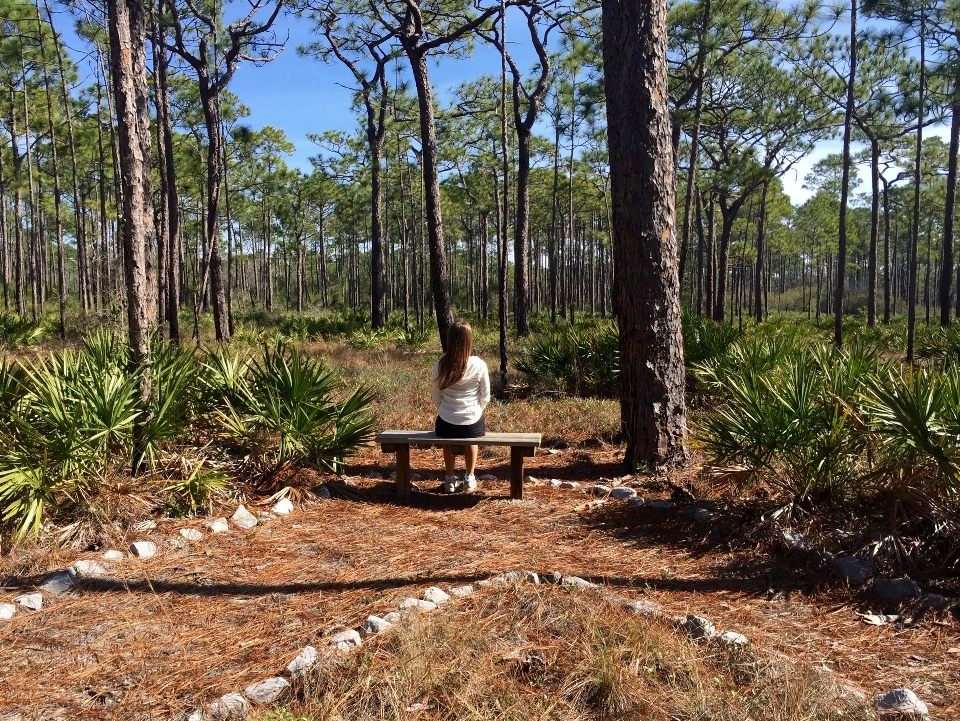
(302, 95)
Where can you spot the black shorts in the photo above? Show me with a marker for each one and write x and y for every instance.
(449, 430)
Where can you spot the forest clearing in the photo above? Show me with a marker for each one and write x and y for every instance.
(634, 231)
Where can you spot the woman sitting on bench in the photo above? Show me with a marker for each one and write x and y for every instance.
(460, 389)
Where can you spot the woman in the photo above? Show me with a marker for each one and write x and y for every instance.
(460, 389)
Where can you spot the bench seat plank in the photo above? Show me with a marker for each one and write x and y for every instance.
(429, 438)
(521, 445)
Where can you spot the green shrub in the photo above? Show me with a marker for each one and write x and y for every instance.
(287, 412)
(59, 437)
(192, 491)
(705, 339)
(17, 331)
(582, 361)
(784, 414)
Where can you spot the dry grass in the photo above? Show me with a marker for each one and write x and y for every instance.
(546, 652)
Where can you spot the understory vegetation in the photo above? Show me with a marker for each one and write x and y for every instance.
(67, 418)
(781, 418)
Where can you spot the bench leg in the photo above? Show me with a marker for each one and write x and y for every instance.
(516, 473)
(403, 470)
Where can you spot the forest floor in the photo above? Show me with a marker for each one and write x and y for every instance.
(162, 636)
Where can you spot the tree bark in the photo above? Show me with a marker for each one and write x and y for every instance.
(946, 252)
(694, 139)
(431, 180)
(761, 238)
(61, 272)
(845, 183)
(915, 229)
(127, 24)
(874, 232)
(19, 271)
(647, 283)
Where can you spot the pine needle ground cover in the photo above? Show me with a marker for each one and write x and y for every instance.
(165, 635)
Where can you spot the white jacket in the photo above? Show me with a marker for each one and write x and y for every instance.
(463, 402)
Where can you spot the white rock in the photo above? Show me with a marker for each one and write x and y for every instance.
(436, 595)
(283, 507)
(191, 534)
(243, 518)
(487, 477)
(375, 624)
(392, 617)
(578, 582)
(600, 490)
(324, 492)
(695, 514)
(6, 611)
(700, 627)
(90, 569)
(511, 577)
(900, 701)
(793, 540)
(143, 549)
(569, 484)
(267, 691)
(144, 526)
(645, 608)
(460, 591)
(232, 707)
(732, 638)
(637, 501)
(33, 601)
(113, 555)
(623, 493)
(57, 583)
(531, 480)
(304, 661)
(349, 637)
(408, 604)
(554, 482)
(218, 526)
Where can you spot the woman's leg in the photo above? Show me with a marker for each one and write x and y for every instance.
(449, 463)
(470, 458)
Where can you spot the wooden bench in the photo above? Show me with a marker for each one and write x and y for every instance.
(521, 445)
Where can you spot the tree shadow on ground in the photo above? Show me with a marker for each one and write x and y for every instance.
(740, 561)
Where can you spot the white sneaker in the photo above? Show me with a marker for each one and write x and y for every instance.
(470, 483)
(450, 484)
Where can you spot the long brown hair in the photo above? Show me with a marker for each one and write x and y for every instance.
(453, 364)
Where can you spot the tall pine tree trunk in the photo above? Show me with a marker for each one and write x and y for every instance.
(946, 252)
(845, 183)
(874, 232)
(127, 23)
(431, 181)
(58, 219)
(647, 282)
